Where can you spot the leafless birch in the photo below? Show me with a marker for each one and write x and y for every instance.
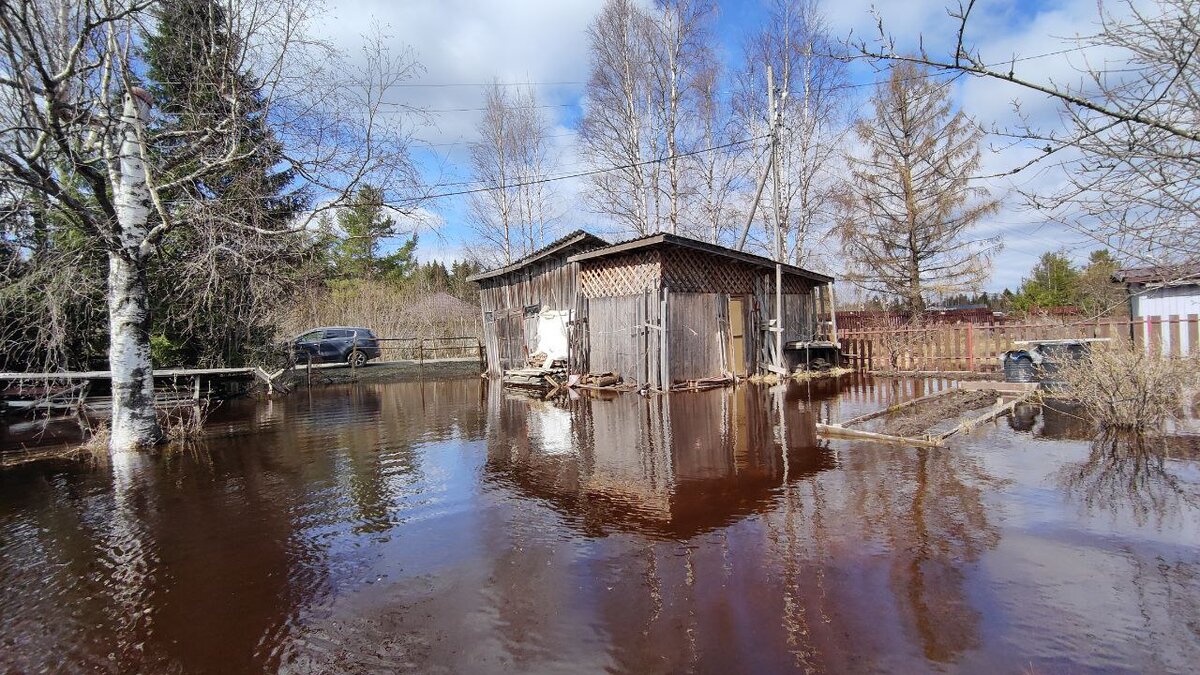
(811, 81)
(616, 125)
(516, 215)
(682, 68)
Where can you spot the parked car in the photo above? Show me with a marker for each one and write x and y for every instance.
(337, 344)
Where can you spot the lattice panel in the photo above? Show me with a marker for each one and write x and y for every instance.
(620, 275)
(695, 272)
(680, 270)
(794, 284)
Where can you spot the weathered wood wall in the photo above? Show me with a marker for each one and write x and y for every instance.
(622, 314)
(799, 316)
(697, 335)
(508, 333)
(623, 336)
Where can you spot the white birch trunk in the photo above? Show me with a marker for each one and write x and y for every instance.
(134, 423)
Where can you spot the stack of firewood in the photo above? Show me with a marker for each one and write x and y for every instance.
(600, 379)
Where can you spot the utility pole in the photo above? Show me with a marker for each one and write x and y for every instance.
(775, 115)
(767, 168)
(775, 124)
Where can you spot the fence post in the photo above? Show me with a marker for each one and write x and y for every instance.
(421, 357)
(1174, 349)
(971, 347)
(1193, 338)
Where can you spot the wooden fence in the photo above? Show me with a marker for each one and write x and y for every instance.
(979, 347)
(420, 349)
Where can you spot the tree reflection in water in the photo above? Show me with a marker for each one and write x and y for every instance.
(1132, 473)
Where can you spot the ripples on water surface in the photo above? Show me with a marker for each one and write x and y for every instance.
(451, 527)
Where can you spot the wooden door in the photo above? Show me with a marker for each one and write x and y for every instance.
(737, 336)
(511, 340)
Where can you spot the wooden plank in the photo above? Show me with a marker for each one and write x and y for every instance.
(970, 347)
(894, 408)
(1155, 329)
(996, 411)
(1175, 348)
(840, 432)
(105, 374)
(1193, 330)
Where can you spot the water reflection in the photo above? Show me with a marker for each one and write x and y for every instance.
(454, 527)
(670, 466)
(1129, 475)
(686, 468)
(1133, 474)
(213, 559)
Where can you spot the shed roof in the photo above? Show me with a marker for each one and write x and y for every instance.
(1175, 274)
(664, 239)
(578, 237)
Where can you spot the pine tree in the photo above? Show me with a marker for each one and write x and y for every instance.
(1099, 295)
(364, 226)
(1053, 282)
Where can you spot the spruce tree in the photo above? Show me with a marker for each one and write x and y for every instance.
(226, 272)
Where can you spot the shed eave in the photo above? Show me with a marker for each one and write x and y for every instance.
(549, 250)
(704, 247)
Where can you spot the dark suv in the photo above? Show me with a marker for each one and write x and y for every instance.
(337, 344)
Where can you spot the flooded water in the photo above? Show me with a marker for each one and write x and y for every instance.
(452, 527)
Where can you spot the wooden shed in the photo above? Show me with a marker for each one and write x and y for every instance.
(540, 288)
(658, 310)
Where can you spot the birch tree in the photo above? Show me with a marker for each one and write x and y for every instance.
(717, 175)
(78, 129)
(683, 71)
(811, 81)
(1129, 143)
(616, 127)
(516, 215)
(653, 73)
(909, 206)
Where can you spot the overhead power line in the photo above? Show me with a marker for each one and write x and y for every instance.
(490, 84)
(407, 107)
(578, 174)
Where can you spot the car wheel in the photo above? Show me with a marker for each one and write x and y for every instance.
(357, 359)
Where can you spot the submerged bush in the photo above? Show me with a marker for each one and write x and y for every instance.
(1127, 388)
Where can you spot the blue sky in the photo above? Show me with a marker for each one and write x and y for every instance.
(464, 43)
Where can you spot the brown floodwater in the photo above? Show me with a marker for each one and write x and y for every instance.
(450, 526)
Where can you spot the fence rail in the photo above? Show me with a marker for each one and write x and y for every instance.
(979, 347)
(421, 348)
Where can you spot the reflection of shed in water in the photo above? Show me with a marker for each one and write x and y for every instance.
(671, 466)
(656, 310)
